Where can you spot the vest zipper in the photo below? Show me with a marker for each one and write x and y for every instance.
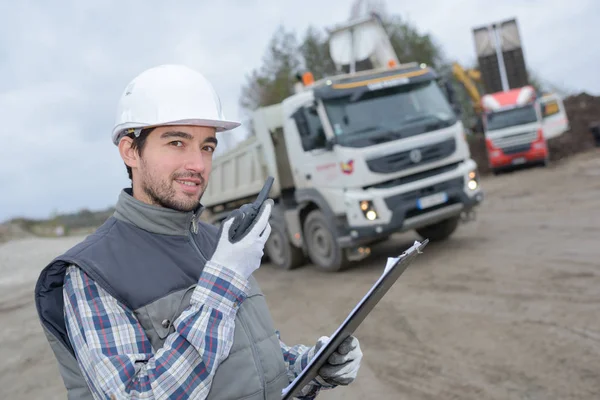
(261, 373)
(194, 223)
(194, 229)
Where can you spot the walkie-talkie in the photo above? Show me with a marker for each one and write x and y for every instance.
(245, 216)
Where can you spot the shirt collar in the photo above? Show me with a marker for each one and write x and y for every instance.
(155, 219)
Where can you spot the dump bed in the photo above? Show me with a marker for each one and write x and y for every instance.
(511, 52)
(242, 171)
(238, 174)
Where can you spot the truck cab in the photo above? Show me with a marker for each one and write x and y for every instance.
(514, 129)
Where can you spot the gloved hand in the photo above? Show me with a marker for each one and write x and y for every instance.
(244, 255)
(342, 366)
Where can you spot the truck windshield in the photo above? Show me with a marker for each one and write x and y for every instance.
(513, 117)
(369, 117)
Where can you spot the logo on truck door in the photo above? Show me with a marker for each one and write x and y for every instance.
(347, 167)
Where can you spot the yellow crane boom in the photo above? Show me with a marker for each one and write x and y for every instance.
(468, 77)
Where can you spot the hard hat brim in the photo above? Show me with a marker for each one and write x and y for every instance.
(220, 125)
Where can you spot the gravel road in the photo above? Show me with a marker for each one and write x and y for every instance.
(508, 308)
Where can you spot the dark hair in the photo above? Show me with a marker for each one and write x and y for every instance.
(138, 144)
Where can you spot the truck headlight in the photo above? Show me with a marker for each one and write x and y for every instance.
(473, 182)
(368, 209)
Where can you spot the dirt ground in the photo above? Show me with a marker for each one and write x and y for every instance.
(506, 309)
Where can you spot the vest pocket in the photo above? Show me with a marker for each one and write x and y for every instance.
(254, 287)
(164, 311)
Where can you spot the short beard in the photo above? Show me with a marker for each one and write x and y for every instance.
(162, 194)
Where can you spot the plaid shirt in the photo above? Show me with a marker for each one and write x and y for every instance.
(116, 356)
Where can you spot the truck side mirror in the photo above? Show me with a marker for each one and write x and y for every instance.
(457, 109)
(452, 99)
(450, 92)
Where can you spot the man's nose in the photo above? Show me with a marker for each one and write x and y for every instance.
(195, 161)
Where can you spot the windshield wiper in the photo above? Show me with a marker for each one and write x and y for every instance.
(371, 134)
(421, 117)
(370, 129)
(436, 122)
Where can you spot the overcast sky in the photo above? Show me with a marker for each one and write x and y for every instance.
(63, 65)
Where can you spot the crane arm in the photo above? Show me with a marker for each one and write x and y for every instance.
(467, 78)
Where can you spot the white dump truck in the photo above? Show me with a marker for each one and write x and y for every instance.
(356, 157)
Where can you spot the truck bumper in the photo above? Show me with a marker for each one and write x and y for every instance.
(499, 159)
(403, 209)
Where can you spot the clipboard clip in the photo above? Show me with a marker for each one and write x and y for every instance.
(416, 247)
(418, 244)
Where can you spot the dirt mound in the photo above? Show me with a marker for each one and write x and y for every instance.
(583, 110)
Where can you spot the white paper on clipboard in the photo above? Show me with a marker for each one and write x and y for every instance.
(393, 269)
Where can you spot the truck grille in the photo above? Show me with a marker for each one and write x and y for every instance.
(403, 180)
(399, 161)
(515, 141)
(517, 149)
(408, 200)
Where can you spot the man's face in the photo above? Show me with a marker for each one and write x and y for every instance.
(173, 168)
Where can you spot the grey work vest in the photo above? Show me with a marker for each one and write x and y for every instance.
(150, 259)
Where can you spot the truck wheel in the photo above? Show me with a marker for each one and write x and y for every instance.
(323, 248)
(546, 162)
(280, 251)
(441, 230)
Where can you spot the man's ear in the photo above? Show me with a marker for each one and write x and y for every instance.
(129, 155)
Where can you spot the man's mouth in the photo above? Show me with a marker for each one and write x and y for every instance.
(188, 183)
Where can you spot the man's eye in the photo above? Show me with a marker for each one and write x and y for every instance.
(177, 143)
(210, 149)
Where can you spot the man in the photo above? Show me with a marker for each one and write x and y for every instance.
(156, 303)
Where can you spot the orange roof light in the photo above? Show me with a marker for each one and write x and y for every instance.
(391, 63)
(308, 78)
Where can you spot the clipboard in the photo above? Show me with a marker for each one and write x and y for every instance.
(391, 273)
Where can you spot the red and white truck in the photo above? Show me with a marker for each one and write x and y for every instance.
(517, 120)
(517, 125)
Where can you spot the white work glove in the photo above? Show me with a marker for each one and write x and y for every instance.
(244, 255)
(342, 366)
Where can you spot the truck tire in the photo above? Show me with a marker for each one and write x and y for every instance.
(280, 251)
(546, 161)
(439, 231)
(323, 248)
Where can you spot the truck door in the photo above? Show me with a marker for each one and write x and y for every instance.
(554, 117)
(313, 164)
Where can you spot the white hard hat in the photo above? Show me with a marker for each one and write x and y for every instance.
(169, 95)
